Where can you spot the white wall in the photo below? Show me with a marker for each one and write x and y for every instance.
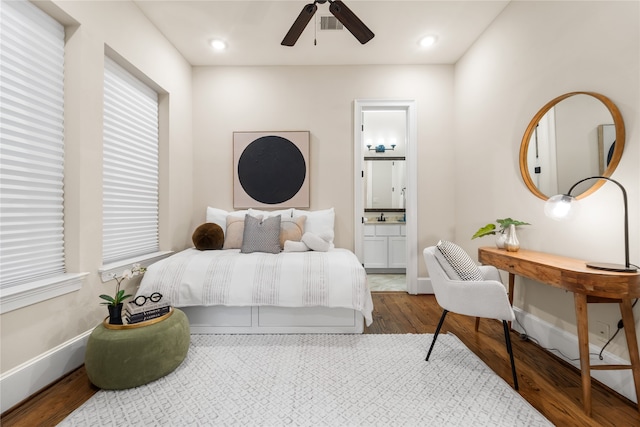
(38, 330)
(320, 99)
(533, 52)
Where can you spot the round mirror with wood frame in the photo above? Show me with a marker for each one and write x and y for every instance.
(609, 155)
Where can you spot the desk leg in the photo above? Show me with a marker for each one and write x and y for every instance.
(632, 343)
(580, 301)
(512, 281)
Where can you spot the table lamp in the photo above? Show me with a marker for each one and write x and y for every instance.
(561, 207)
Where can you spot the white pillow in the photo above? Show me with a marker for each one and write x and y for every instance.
(315, 242)
(219, 216)
(318, 222)
(284, 213)
(290, 246)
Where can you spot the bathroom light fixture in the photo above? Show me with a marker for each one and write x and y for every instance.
(381, 148)
(428, 41)
(218, 44)
(559, 207)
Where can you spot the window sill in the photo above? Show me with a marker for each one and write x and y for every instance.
(41, 290)
(108, 271)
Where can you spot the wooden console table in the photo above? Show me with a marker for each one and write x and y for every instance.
(588, 286)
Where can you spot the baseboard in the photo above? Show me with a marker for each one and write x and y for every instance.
(424, 286)
(565, 345)
(27, 379)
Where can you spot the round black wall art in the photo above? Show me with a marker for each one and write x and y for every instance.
(271, 169)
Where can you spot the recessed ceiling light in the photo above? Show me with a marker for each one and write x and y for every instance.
(428, 41)
(218, 44)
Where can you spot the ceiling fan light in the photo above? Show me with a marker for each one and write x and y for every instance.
(218, 44)
(428, 41)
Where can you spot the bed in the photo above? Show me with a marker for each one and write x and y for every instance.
(226, 291)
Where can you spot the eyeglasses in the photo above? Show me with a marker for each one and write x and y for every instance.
(142, 300)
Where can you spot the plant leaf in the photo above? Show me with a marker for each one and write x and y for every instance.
(506, 222)
(107, 297)
(484, 231)
(119, 297)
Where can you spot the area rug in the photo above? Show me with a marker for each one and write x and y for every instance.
(317, 380)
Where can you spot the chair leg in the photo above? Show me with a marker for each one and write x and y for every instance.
(507, 338)
(435, 335)
(477, 323)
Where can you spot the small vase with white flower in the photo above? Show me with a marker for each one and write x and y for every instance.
(114, 303)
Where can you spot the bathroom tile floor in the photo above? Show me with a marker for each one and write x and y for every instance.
(387, 282)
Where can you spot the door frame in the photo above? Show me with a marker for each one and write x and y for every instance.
(411, 208)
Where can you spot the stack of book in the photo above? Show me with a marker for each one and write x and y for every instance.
(150, 310)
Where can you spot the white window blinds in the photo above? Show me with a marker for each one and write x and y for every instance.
(31, 144)
(130, 169)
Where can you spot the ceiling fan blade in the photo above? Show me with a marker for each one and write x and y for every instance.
(351, 21)
(299, 25)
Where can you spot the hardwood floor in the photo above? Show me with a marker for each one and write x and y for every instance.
(548, 383)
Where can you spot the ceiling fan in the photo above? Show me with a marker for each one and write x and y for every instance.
(340, 11)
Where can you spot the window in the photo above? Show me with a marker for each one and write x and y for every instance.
(31, 151)
(130, 169)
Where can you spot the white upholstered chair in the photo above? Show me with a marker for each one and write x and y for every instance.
(479, 293)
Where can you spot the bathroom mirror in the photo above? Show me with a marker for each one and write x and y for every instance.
(574, 136)
(385, 184)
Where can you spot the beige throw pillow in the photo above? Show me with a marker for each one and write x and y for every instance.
(235, 231)
(291, 229)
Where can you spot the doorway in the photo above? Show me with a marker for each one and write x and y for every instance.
(385, 137)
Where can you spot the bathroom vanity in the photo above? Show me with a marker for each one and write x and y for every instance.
(385, 246)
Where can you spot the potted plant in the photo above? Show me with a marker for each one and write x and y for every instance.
(503, 225)
(114, 304)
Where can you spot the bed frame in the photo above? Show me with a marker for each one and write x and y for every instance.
(273, 320)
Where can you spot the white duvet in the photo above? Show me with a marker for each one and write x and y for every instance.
(288, 279)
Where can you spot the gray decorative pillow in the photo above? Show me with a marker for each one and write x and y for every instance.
(261, 235)
(459, 261)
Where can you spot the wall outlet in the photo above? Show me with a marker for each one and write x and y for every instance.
(603, 330)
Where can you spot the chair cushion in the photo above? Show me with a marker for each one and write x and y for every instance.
(459, 261)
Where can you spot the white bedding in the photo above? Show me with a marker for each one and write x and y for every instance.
(288, 279)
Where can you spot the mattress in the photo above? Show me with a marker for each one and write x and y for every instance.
(288, 279)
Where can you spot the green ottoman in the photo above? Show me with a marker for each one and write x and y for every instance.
(133, 355)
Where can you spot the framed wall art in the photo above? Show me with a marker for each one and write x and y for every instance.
(271, 169)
